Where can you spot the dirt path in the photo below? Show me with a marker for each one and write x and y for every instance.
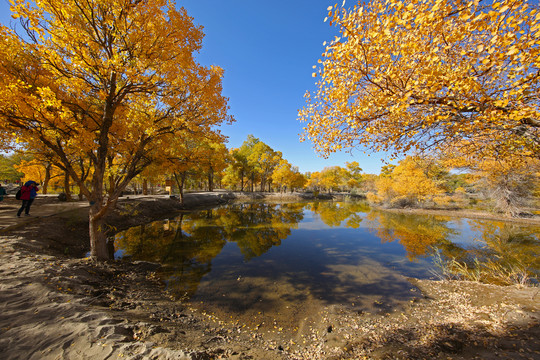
(42, 317)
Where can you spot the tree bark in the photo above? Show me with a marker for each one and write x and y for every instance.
(98, 236)
(241, 181)
(211, 180)
(67, 188)
(180, 182)
(47, 178)
(112, 186)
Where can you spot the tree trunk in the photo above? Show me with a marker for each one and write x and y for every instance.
(145, 187)
(47, 178)
(180, 182)
(241, 181)
(112, 186)
(100, 250)
(211, 180)
(67, 188)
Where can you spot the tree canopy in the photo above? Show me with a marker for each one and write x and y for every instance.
(429, 74)
(112, 82)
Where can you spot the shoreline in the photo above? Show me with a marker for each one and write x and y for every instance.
(57, 304)
(465, 213)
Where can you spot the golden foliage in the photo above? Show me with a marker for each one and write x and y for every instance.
(109, 83)
(417, 234)
(510, 181)
(407, 184)
(428, 74)
(106, 80)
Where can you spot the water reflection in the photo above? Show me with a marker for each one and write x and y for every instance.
(419, 235)
(497, 252)
(236, 256)
(257, 227)
(349, 214)
(184, 249)
(187, 245)
(504, 253)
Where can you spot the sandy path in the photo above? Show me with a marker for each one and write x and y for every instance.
(40, 320)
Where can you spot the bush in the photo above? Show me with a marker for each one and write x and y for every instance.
(402, 202)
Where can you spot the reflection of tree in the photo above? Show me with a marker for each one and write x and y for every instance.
(185, 251)
(508, 253)
(417, 234)
(187, 245)
(334, 214)
(257, 227)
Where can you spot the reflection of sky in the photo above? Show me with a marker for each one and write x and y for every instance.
(468, 237)
(465, 236)
(333, 264)
(312, 221)
(345, 245)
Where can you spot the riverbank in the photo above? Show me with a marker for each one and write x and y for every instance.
(469, 214)
(56, 304)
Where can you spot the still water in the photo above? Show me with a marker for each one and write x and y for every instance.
(290, 260)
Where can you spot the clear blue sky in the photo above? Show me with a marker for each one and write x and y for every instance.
(267, 49)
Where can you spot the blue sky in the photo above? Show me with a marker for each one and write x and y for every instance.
(267, 49)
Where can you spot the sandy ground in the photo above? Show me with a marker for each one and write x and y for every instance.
(56, 304)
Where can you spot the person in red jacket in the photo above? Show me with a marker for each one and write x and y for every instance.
(28, 194)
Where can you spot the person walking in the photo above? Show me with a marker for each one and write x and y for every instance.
(28, 194)
(2, 193)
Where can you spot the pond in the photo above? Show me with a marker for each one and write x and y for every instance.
(280, 266)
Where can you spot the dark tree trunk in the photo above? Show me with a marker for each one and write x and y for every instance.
(67, 186)
(241, 181)
(211, 180)
(100, 249)
(47, 178)
(180, 181)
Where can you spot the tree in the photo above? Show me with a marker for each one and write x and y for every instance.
(287, 176)
(332, 177)
(297, 180)
(38, 171)
(264, 160)
(247, 164)
(111, 82)
(8, 166)
(508, 182)
(411, 182)
(314, 181)
(239, 168)
(354, 174)
(260, 161)
(41, 168)
(430, 74)
(281, 173)
(213, 160)
(408, 183)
